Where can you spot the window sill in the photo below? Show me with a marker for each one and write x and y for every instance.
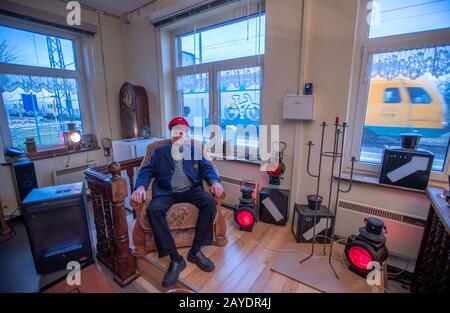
(219, 157)
(56, 151)
(437, 179)
(374, 181)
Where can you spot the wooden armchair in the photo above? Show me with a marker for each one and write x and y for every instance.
(181, 217)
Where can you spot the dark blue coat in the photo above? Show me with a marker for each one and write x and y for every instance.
(161, 167)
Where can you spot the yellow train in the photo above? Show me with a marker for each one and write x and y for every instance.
(404, 106)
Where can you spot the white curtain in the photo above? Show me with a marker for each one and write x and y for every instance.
(412, 63)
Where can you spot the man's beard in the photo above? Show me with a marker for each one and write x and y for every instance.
(177, 149)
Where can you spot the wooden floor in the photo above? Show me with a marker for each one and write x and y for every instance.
(241, 266)
(92, 280)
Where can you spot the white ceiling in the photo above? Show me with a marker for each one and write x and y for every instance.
(115, 7)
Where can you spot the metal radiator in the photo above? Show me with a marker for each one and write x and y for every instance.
(232, 190)
(404, 231)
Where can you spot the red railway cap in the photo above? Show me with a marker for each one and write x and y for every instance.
(178, 121)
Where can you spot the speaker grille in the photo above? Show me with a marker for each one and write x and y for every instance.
(24, 177)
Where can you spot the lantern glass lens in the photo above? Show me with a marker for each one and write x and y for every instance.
(244, 218)
(274, 169)
(75, 137)
(359, 257)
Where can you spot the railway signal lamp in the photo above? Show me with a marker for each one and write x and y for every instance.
(366, 247)
(245, 212)
(276, 169)
(72, 138)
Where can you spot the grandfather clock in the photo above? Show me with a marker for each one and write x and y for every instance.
(133, 110)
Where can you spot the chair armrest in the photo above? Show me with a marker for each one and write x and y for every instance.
(218, 199)
(138, 207)
(221, 223)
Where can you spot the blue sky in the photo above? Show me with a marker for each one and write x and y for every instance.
(229, 41)
(32, 49)
(410, 16)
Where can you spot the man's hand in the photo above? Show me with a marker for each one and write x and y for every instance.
(217, 189)
(139, 195)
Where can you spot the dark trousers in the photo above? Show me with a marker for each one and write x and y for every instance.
(157, 210)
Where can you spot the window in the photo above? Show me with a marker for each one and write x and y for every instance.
(193, 94)
(392, 95)
(398, 17)
(219, 79)
(418, 95)
(405, 80)
(231, 40)
(239, 95)
(39, 84)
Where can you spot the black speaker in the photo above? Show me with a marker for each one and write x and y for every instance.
(24, 177)
(57, 227)
(273, 206)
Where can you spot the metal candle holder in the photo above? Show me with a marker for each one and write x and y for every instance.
(337, 153)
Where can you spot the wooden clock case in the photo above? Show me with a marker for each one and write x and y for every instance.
(134, 113)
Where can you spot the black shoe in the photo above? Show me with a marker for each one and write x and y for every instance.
(201, 260)
(173, 272)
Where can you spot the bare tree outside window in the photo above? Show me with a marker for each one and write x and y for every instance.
(8, 52)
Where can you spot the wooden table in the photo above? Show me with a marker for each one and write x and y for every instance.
(432, 272)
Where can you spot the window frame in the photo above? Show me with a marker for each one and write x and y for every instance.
(364, 48)
(18, 69)
(213, 69)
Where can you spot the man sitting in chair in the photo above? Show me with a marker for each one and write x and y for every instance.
(178, 169)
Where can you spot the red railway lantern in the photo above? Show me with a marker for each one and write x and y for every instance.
(245, 212)
(366, 247)
(276, 169)
(245, 219)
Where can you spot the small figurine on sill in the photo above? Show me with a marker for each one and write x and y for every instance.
(30, 143)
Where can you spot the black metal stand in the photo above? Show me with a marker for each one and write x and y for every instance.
(337, 153)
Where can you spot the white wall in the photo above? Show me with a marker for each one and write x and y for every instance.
(141, 62)
(329, 36)
(104, 105)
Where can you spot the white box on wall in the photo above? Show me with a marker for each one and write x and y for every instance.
(298, 107)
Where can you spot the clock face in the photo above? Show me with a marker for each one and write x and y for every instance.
(127, 98)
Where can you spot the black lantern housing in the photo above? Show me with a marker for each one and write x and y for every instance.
(245, 213)
(368, 246)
